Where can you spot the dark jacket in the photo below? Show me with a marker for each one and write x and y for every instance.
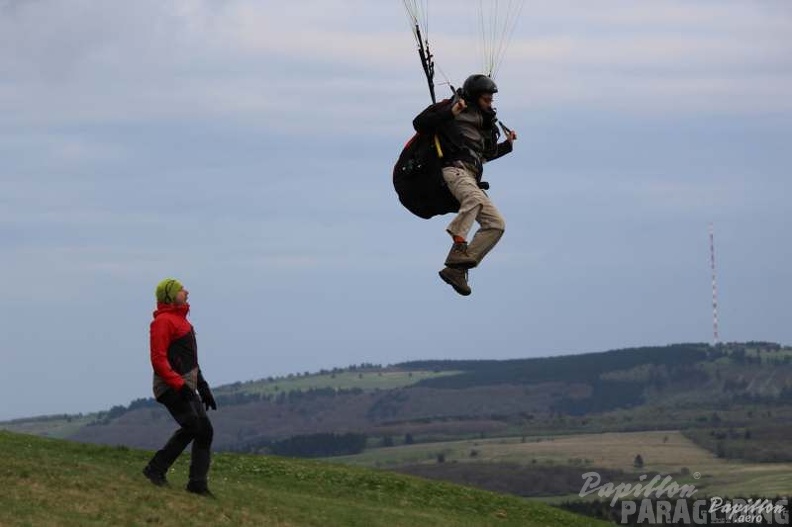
(455, 144)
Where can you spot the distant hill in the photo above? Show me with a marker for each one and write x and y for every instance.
(55, 482)
(587, 367)
(682, 386)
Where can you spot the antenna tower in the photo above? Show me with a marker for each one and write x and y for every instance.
(715, 337)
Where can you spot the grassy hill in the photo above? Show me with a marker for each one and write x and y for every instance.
(734, 399)
(560, 461)
(526, 427)
(56, 482)
(365, 378)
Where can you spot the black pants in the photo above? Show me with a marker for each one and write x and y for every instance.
(195, 427)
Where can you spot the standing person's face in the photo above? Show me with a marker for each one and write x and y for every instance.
(485, 101)
(181, 297)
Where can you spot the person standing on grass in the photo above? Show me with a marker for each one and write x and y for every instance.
(177, 376)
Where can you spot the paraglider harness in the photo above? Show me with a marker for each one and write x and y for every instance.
(417, 174)
(418, 178)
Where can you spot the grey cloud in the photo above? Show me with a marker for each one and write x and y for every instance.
(141, 139)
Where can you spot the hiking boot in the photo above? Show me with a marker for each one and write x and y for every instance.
(458, 257)
(157, 478)
(456, 278)
(200, 488)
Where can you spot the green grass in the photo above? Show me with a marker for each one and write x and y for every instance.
(765, 355)
(367, 380)
(663, 451)
(54, 482)
(57, 427)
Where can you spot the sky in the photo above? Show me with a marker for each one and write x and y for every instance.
(246, 148)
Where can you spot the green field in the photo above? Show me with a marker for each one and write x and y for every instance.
(366, 380)
(53, 426)
(662, 451)
(60, 483)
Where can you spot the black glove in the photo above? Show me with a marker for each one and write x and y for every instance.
(186, 393)
(206, 395)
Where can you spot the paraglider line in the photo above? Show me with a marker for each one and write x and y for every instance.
(426, 62)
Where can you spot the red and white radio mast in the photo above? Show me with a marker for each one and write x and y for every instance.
(715, 338)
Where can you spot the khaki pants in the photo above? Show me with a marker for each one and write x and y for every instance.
(474, 205)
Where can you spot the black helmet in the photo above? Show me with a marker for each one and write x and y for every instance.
(477, 84)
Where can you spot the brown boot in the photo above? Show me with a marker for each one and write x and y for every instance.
(459, 258)
(456, 278)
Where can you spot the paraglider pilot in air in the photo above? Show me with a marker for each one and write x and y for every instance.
(466, 138)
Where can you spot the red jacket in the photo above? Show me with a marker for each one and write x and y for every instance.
(173, 349)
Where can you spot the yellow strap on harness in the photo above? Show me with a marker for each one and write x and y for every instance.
(437, 147)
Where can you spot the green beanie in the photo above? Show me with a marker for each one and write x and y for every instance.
(167, 289)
